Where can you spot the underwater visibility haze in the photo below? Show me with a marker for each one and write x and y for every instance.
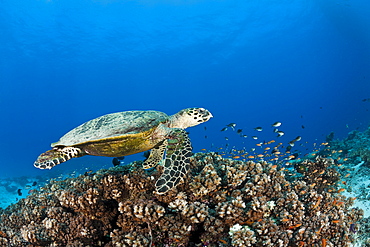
(302, 63)
(283, 160)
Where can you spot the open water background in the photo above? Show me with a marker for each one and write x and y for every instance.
(63, 62)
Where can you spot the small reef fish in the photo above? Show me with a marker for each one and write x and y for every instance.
(34, 183)
(239, 131)
(231, 125)
(280, 133)
(224, 129)
(276, 124)
(298, 138)
(258, 129)
(223, 241)
(352, 228)
(255, 137)
(88, 172)
(291, 143)
(19, 192)
(293, 156)
(117, 160)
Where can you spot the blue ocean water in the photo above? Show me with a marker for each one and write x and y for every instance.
(304, 63)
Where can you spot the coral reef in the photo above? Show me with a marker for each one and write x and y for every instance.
(223, 202)
(353, 149)
(319, 173)
(352, 156)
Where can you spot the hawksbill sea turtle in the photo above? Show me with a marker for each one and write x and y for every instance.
(124, 133)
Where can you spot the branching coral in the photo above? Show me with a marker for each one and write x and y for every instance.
(223, 201)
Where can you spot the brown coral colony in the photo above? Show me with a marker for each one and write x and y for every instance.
(223, 202)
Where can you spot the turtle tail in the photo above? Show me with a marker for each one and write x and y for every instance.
(55, 156)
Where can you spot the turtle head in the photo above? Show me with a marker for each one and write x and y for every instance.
(189, 117)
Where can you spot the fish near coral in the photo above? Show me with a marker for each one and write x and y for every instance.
(124, 133)
(276, 124)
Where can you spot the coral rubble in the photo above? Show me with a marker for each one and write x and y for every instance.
(223, 202)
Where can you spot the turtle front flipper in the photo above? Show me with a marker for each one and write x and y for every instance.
(156, 155)
(177, 161)
(57, 155)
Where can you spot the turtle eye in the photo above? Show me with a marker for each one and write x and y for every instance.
(201, 111)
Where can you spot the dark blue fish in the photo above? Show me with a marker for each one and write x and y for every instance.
(231, 125)
(280, 133)
(258, 129)
(276, 124)
(117, 161)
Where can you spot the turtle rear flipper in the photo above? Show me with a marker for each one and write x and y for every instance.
(57, 155)
(177, 161)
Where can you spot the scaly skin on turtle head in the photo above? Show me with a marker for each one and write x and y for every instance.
(189, 117)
